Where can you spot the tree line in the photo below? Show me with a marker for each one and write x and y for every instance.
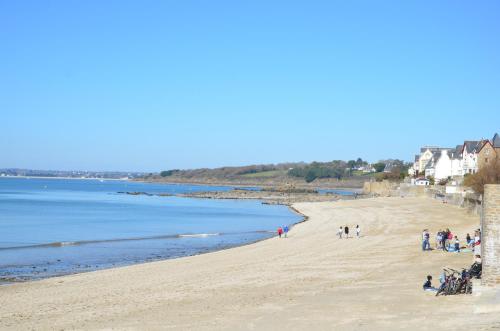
(308, 171)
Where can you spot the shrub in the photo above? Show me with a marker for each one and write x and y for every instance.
(443, 182)
(489, 174)
(431, 179)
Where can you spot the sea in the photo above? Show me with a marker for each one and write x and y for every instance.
(54, 227)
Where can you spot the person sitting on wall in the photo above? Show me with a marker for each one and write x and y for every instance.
(476, 268)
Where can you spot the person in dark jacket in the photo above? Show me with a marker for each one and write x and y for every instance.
(428, 284)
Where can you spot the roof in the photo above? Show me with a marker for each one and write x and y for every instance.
(430, 163)
(496, 141)
(431, 148)
(473, 145)
(456, 153)
(438, 154)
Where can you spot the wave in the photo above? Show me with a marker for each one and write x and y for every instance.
(100, 241)
(198, 235)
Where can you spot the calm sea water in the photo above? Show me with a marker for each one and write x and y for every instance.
(51, 227)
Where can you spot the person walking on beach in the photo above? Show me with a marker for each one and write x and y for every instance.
(346, 231)
(280, 231)
(425, 240)
(285, 231)
(358, 230)
(340, 232)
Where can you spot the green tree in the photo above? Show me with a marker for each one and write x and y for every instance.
(310, 176)
(167, 173)
(379, 167)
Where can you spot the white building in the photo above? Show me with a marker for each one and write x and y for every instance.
(437, 162)
(443, 163)
(427, 154)
(470, 151)
(427, 160)
(448, 164)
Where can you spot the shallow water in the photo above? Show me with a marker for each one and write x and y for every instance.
(52, 227)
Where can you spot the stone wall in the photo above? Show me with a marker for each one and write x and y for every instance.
(408, 190)
(384, 188)
(490, 244)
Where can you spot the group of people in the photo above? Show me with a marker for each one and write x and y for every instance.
(475, 243)
(449, 242)
(345, 231)
(445, 240)
(283, 231)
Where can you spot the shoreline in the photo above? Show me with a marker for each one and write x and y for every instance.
(9, 281)
(321, 282)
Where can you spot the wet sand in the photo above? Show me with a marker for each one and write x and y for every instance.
(311, 280)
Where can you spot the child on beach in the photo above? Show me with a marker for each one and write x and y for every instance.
(358, 230)
(340, 232)
(285, 230)
(280, 231)
(346, 231)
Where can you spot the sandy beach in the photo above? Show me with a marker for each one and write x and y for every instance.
(311, 280)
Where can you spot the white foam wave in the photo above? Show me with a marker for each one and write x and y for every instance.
(198, 235)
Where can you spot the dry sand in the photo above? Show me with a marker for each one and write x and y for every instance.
(309, 281)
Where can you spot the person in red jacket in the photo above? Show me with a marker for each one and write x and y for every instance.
(280, 231)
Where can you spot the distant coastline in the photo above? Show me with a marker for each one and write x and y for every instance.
(59, 177)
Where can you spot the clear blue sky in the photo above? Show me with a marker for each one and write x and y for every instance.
(153, 85)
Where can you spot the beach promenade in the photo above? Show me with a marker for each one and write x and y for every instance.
(309, 281)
